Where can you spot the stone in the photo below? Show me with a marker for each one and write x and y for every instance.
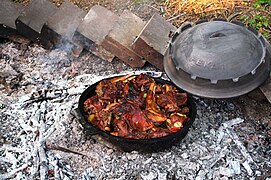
(153, 40)
(94, 28)
(266, 87)
(121, 37)
(32, 19)
(9, 12)
(60, 27)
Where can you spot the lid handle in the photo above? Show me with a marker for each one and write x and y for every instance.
(217, 35)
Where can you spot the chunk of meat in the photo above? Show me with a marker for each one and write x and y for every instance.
(155, 117)
(104, 120)
(133, 94)
(92, 105)
(135, 117)
(176, 121)
(157, 132)
(120, 128)
(168, 102)
(107, 91)
(152, 110)
(105, 116)
(143, 81)
(181, 98)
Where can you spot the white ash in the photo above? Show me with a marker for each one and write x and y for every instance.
(40, 137)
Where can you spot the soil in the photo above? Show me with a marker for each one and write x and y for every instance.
(143, 8)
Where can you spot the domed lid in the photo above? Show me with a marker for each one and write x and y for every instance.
(217, 56)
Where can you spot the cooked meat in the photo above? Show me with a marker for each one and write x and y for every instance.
(137, 107)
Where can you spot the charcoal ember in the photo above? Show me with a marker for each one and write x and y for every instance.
(150, 175)
(226, 171)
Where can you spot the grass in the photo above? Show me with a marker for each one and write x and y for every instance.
(255, 13)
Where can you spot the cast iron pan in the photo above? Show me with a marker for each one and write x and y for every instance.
(127, 144)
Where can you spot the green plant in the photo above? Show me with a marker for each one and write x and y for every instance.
(259, 16)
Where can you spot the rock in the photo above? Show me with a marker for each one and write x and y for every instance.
(121, 37)
(9, 12)
(93, 29)
(32, 19)
(153, 40)
(61, 26)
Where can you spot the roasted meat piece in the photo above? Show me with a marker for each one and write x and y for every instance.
(136, 118)
(176, 121)
(157, 132)
(168, 102)
(120, 128)
(105, 116)
(92, 105)
(107, 91)
(152, 110)
(181, 98)
(143, 81)
(132, 94)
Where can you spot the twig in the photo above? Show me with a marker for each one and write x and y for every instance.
(13, 172)
(63, 149)
(153, 7)
(240, 146)
(175, 17)
(232, 16)
(41, 151)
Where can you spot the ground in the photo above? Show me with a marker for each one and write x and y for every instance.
(255, 13)
(40, 134)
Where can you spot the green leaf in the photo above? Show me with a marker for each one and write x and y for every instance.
(259, 25)
(265, 23)
(251, 21)
(263, 1)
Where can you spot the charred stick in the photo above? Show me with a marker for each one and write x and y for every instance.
(63, 149)
(13, 172)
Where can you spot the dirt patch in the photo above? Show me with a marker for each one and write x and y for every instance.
(143, 8)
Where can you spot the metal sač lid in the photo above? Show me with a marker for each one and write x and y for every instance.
(217, 59)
